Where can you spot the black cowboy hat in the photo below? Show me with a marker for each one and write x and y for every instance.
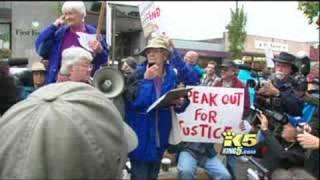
(228, 63)
(286, 58)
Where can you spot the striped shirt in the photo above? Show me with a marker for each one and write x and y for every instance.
(209, 81)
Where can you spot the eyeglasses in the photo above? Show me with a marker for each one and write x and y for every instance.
(84, 66)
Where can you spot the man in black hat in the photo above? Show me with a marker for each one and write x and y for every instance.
(280, 88)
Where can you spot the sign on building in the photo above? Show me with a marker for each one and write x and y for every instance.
(274, 46)
(212, 111)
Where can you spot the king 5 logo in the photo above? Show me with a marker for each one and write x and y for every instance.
(240, 144)
(239, 140)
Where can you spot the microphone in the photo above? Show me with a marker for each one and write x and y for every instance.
(14, 61)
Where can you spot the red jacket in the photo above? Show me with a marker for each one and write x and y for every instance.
(236, 83)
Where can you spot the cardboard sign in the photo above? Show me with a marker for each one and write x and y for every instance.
(152, 18)
(212, 110)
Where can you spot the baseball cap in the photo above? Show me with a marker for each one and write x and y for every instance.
(64, 130)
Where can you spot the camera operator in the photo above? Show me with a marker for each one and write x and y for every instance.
(281, 152)
(280, 89)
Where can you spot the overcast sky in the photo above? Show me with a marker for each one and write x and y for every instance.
(204, 20)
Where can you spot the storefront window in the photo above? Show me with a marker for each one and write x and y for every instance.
(5, 40)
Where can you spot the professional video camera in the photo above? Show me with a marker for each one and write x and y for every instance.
(14, 62)
(22, 75)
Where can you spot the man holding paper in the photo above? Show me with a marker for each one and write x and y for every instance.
(148, 83)
(57, 37)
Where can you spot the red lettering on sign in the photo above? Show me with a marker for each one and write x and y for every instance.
(232, 99)
(203, 127)
(213, 99)
(239, 95)
(216, 133)
(194, 131)
(195, 97)
(210, 116)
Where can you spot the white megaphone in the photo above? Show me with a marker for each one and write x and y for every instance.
(109, 80)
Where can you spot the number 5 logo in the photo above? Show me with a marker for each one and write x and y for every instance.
(249, 140)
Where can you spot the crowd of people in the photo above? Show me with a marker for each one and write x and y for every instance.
(57, 125)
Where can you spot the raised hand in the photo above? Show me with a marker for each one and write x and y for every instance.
(95, 46)
(59, 21)
(151, 72)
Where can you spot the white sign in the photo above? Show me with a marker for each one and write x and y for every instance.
(269, 57)
(212, 110)
(273, 45)
(152, 18)
(84, 39)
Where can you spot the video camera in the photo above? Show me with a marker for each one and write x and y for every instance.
(14, 62)
(22, 75)
(276, 119)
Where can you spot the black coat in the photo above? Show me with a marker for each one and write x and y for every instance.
(281, 154)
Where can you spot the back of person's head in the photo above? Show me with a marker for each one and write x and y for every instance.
(62, 131)
(291, 174)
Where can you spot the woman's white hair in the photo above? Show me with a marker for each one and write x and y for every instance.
(72, 55)
(74, 5)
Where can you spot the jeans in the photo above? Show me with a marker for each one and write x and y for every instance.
(232, 161)
(187, 167)
(144, 169)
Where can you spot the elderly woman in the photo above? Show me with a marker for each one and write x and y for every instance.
(76, 65)
(59, 36)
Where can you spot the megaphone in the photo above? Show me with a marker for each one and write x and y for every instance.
(109, 81)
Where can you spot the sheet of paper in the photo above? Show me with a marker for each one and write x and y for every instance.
(84, 39)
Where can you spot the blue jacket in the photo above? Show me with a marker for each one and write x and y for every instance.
(186, 73)
(49, 44)
(155, 125)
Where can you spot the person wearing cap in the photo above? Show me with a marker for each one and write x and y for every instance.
(76, 65)
(62, 34)
(38, 74)
(281, 89)
(229, 79)
(65, 130)
(37, 79)
(285, 151)
(194, 154)
(152, 79)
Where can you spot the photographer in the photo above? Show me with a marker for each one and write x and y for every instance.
(280, 89)
(284, 151)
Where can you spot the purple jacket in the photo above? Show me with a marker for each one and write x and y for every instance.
(49, 45)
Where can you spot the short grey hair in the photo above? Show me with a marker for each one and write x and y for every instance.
(72, 55)
(74, 5)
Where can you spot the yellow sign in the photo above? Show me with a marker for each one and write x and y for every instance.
(239, 144)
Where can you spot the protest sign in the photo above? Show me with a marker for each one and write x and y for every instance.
(212, 111)
(269, 57)
(152, 18)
